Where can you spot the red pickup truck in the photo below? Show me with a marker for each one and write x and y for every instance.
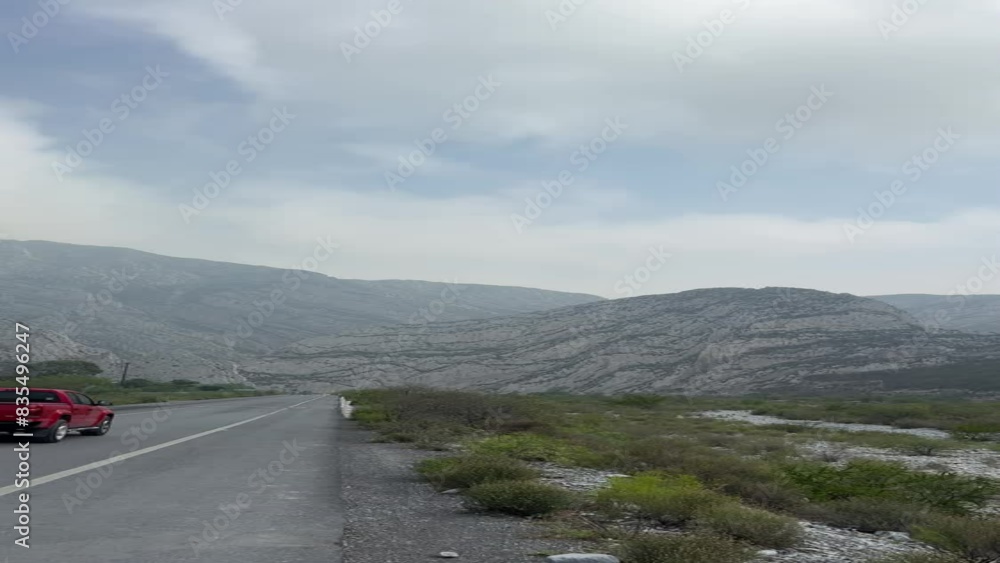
(53, 413)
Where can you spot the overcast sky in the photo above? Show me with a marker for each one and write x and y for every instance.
(837, 100)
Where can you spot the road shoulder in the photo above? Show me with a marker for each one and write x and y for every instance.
(393, 517)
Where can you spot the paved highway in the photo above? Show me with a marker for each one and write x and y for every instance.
(248, 481)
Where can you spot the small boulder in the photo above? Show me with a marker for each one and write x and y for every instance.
(448, 554)
(582, 558)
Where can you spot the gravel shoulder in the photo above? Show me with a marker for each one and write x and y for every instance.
(392, 516)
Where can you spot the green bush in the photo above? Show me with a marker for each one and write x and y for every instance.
(467, 471)
(922, 446)
(183, 382)
(473, 410)
(753, 525)
(138, 382)
(369, 415)
(640, 401)
(687, 548)
(769, 495)
(529, 447)
(757, 481)
(668, 499)
(974, 538)
(867, 514)
(891, 481)
(519, 498)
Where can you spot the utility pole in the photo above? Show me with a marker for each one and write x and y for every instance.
(124, 373)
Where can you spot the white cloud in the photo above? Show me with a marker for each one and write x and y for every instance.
(471, 237)
(611, 58)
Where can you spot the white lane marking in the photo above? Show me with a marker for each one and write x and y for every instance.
(69, 472)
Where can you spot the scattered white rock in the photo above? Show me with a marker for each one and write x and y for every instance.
(822, 543)
(983, 463)
(451, 492)
(575, 478)
(826, 544)
(581, 558)
(448, 555)
(750, 418)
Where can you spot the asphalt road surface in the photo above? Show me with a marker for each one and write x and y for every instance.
(249, 480)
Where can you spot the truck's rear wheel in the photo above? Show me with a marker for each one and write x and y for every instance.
(56, 433)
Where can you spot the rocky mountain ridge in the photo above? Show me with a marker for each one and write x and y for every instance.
(702, 341)
(199, 319)
(968, 313)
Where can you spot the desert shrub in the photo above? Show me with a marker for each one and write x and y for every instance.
(529, 447)
(770, 495)
(467, 471)
(891, 481)
(978, 431)
(753, 525)
(687, 548)
(524, 425)
(922, 447)
(788, 428)
(664, 453)
(977, 539)
(183, 382)
(138, 382)
(424, 434)
(639, 401)
(520, 498)
(867, 514)
(412, 405)
(669, 499)
(718, 440)
(757, 481)
(369, 415)
(603, 452)
(911, 422)
(764, 447)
